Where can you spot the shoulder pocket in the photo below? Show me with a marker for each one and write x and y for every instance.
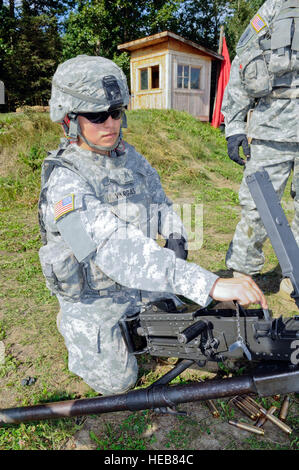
(62, 271)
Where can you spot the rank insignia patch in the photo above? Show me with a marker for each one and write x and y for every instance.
(258, 23)
(64, 206)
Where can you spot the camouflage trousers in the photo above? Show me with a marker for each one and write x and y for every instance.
(245, 252)
(96, 350)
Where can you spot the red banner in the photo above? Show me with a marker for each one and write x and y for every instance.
(218, 117)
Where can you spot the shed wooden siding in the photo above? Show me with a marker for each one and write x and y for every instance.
(150, 98)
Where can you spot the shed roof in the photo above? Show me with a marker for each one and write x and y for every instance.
(162, 37)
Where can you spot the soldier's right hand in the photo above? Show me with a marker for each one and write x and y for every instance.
(234, 142)
(242, 289)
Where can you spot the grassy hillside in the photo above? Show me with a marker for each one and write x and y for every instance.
(191, 159)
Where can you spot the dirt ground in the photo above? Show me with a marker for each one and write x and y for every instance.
(193, 428)
(197, 430)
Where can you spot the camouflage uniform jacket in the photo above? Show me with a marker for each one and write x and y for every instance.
(264, 76)
(100, 216)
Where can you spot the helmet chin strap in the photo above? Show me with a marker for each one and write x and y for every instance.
(99, 147)
(75, 131)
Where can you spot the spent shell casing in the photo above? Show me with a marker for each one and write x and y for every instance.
(252, 402)
(211, 405)
(212, 408)
(284, 427)
(261, 421)
(284, 408)
(247, 427)
(254, 410)
(245, 410)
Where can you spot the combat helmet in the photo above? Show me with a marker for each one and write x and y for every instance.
(87, 84)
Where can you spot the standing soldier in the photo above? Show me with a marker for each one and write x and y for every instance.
(101, 207)
(264, 87)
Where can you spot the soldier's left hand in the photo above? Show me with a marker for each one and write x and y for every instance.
(176, 243)
(234, 142)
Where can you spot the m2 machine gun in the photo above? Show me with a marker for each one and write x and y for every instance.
(268, 346)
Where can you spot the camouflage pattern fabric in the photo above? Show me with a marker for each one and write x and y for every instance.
(278, 159)
(253, 75)
(96, 349)
(121, 206)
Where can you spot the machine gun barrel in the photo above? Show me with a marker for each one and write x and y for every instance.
(158, 396)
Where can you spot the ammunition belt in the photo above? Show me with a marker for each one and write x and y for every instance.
(285, 93)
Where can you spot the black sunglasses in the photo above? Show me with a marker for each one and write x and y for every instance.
(99, 118)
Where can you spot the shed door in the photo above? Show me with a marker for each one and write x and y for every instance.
(190, 88)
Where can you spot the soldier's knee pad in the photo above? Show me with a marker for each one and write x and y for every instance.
(121, 384)
(114, 386)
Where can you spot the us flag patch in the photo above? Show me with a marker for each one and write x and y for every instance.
(64, 206)
(258, 23)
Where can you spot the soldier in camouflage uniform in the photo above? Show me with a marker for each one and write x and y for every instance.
(101, 207)
(264, 79)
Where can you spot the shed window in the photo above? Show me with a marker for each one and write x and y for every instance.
(183, 76)
(188, 77)
(155, 76)
(150, 78)
(144, 79)
(194, 82)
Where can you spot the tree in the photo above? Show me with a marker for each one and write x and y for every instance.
(97, 27)
(200, 21)
(30, 47)
(243, 11)
(35, 35)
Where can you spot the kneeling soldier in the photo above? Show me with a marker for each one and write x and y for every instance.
(101, 208)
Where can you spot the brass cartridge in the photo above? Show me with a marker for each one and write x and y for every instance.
(261, 421)
(247, 427)
(284, 408)
(245, 410)
(253, 409)
(212, 407)
(277, 421)
(252, 401)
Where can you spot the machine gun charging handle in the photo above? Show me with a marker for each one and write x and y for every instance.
(267, 315)
(192, 332)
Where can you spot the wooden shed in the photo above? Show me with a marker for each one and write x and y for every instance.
(168, 71)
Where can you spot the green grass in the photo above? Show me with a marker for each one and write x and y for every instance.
(127, 436)
(179, 145)
(37, 436)
(191, 159)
